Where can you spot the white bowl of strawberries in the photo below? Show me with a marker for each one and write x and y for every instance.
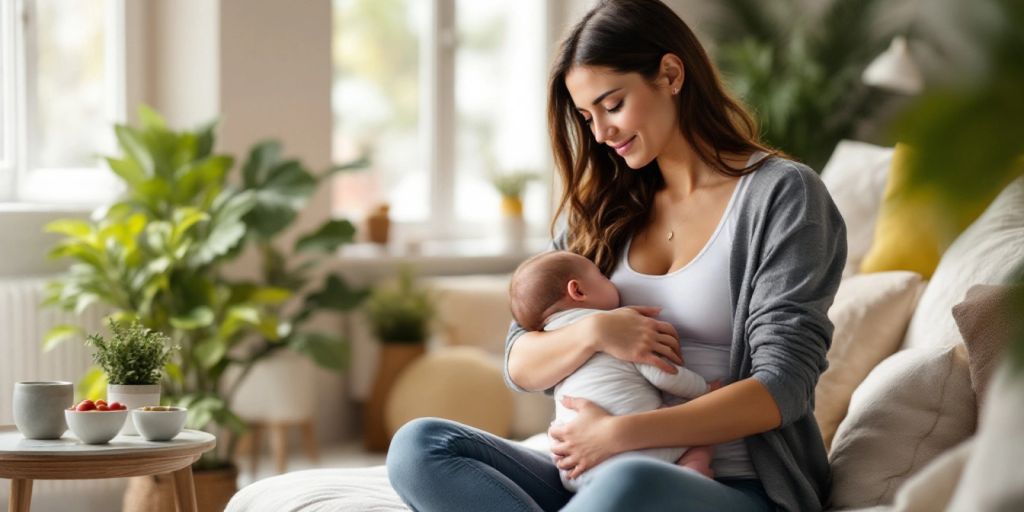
(96, 422)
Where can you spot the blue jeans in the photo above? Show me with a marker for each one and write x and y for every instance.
(440, 465)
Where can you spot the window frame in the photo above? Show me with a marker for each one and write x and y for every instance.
(438, 129)
(22, 182)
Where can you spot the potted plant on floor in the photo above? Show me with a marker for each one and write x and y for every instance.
(400, 316)
(133, 361)
(158, 256)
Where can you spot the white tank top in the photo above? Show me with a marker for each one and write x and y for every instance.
(697, 301)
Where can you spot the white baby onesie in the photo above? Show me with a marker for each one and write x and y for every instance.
(621, 387)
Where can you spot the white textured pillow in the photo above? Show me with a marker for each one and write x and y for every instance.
(986, 253)
(870, 314)
(855, 176)
(992, 478)
(913, 406)
(931, 489)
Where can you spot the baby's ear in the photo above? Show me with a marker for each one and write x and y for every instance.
(575, 290)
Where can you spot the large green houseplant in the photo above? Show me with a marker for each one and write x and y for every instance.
(157, 256)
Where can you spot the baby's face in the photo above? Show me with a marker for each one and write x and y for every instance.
(599, 290)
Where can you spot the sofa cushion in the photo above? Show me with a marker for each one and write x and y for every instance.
(932, 488)
(910, 233)
(910, 408)
(992, 478)
(855, 176)
(987, 321)
(870, 314)
(986, 253)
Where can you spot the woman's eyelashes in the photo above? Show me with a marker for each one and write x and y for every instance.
(610, 110)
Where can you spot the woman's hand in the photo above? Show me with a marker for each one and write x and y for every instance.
(585, 441)
(632, 334)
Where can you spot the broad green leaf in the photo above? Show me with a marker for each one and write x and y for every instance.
(150, 119)
(325, 350)
(226, 226)
(337, 295)
(262, 156)
(354, 165)
(198, 177)
(329, 237)
(205, 136)
(131, 143)
(210, 351)
(238, 317)
(59, 334)
(173, 372)
(128, 169)
(201, 410)
(93, 385)
(198, 318)
(184, 219)
(230, 420)
(70, 227)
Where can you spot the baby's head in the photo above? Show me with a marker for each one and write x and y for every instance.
(555, 281)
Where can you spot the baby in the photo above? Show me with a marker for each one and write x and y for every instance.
(554, 289)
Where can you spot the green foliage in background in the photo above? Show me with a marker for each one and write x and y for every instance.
(801, 74)
(968, 138)
(401, 312)
(157, 256)
(512, 185)
(134, 355)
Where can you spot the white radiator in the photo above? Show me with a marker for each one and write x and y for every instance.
(23, 323)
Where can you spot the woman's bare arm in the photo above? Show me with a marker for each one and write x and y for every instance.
(733, 412)
(738, 410)
(539, 360)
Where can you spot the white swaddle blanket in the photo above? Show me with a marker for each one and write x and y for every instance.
(621, 387)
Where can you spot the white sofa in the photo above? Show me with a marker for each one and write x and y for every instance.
(898, 395)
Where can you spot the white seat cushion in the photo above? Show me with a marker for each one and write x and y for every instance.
(320, 490)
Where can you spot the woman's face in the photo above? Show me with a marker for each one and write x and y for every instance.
(624, 111)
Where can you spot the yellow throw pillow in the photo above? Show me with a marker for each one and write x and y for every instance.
(911, 233)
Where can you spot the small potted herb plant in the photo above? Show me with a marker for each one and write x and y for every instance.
(133, 360)
(400, 316)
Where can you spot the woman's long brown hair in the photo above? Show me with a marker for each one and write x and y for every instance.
(607, 201)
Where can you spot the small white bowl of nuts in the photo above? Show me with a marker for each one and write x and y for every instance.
(159, 422)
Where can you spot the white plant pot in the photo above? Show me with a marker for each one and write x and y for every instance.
(133, 396)
(513, 230)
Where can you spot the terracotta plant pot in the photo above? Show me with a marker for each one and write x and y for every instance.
(394, 357)
(155, 493)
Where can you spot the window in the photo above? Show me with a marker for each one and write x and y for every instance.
(62, 73)
(441, 95)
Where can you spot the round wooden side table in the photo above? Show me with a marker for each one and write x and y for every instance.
(24, 460)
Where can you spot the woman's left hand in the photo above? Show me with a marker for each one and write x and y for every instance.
(585, 441)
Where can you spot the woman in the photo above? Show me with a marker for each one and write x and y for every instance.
(670, 193)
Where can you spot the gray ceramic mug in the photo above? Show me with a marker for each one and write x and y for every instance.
(39, 408)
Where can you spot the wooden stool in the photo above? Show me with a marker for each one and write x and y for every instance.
(278, 431)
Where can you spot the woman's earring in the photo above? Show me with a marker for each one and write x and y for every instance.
(675, 91)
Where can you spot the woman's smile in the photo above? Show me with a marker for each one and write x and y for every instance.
(624, 147)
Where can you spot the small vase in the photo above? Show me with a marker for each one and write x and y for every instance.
(378, 225)
(133, 396)
(513, 226)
